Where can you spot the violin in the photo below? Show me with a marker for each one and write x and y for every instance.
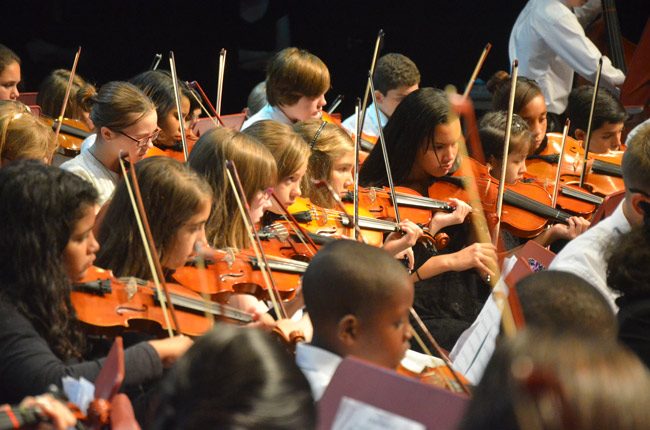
(227, 273)
(72, 134)
(527, 207)
(603, 178)
(172, 152)
(107, 305)
(439, 376)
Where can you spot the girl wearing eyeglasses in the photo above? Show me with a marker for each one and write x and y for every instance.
(125, 124)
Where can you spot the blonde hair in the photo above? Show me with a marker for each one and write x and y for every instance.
(256, 168)
(22, 135)
(327, 146)
(288, 148)
(52, 91)
(294, 73)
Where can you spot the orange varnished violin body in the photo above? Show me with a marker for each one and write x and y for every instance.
(107, 305)
(72, 134)
(603, 177)
(439, 376)
(156, 151)
(526, 207)
(227, 273)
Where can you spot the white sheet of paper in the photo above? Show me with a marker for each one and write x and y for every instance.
(353, 414)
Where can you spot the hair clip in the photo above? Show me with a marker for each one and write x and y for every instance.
(317, 135)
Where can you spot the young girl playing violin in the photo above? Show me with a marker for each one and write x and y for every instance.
(529, 104)
(125, 123)
(46, 243)
(332, 160)
(177, 202)
(52, 92)
(291, 156)
(9, 74)
(492, 131)
(22, 135)
(159, 87)
(422, 139)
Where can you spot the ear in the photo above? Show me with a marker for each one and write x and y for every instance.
(347, 330)
(580, 134)
(106, 133)
(379, 97)
(640, 205)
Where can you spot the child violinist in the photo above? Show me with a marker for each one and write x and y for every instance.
(22, 135)
(422, 138)
(358, 298)
(9, 74)
(332, 160)
(296, 83)
(177, 202)
(48, 215)
(159, 87)
(52, 92)
(608, 121)
(492, 131)
(529, 104)
(125, 123)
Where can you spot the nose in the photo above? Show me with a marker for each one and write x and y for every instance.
(296, 191)
(408, 334)
(14, 94)
(93, 245)
(321, 101)
(348, 181)
(617, 142)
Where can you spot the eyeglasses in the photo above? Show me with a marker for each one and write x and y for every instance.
(144, 141)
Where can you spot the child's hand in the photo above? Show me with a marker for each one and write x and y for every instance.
(479, 256)
(170, 349)
(441, 219)
(575, 227)
(400, 241)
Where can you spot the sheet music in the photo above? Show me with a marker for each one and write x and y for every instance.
(475, 346)
(353, 414)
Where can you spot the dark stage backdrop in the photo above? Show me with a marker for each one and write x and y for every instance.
(120, 37)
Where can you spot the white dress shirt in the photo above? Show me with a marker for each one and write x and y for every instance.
(370, 124)
(318, 366)
(89, 168)
(550, 44)
(585, 255)
(267, 112)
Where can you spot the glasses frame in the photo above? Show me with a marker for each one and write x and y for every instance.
(140, 143)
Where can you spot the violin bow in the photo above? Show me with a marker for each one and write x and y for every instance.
(256, 244)
(335, 104)
(565, 132)
(66, 97)
(583, 175)
(382, 142)
(304, 238)
(222, 68)
(378, 45)
(177, 99)
(212, 113)
(156, 61)
(357, 148)
(477, 69)
(439, 350)
(149, 247)
(464, 107)
(506, 148)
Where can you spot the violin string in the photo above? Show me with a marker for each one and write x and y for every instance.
(204, 109)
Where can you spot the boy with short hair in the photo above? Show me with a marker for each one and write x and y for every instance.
(358, 298)
(608, 121)
(296, 83)
(396, 76)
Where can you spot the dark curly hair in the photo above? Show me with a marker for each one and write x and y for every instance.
(39, 206)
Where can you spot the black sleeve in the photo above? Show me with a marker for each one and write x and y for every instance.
(28, 365)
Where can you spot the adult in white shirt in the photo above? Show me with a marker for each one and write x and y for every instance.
(396, 76)
(125, 120)
(296, 83)
(549, 42)
(586, 255)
